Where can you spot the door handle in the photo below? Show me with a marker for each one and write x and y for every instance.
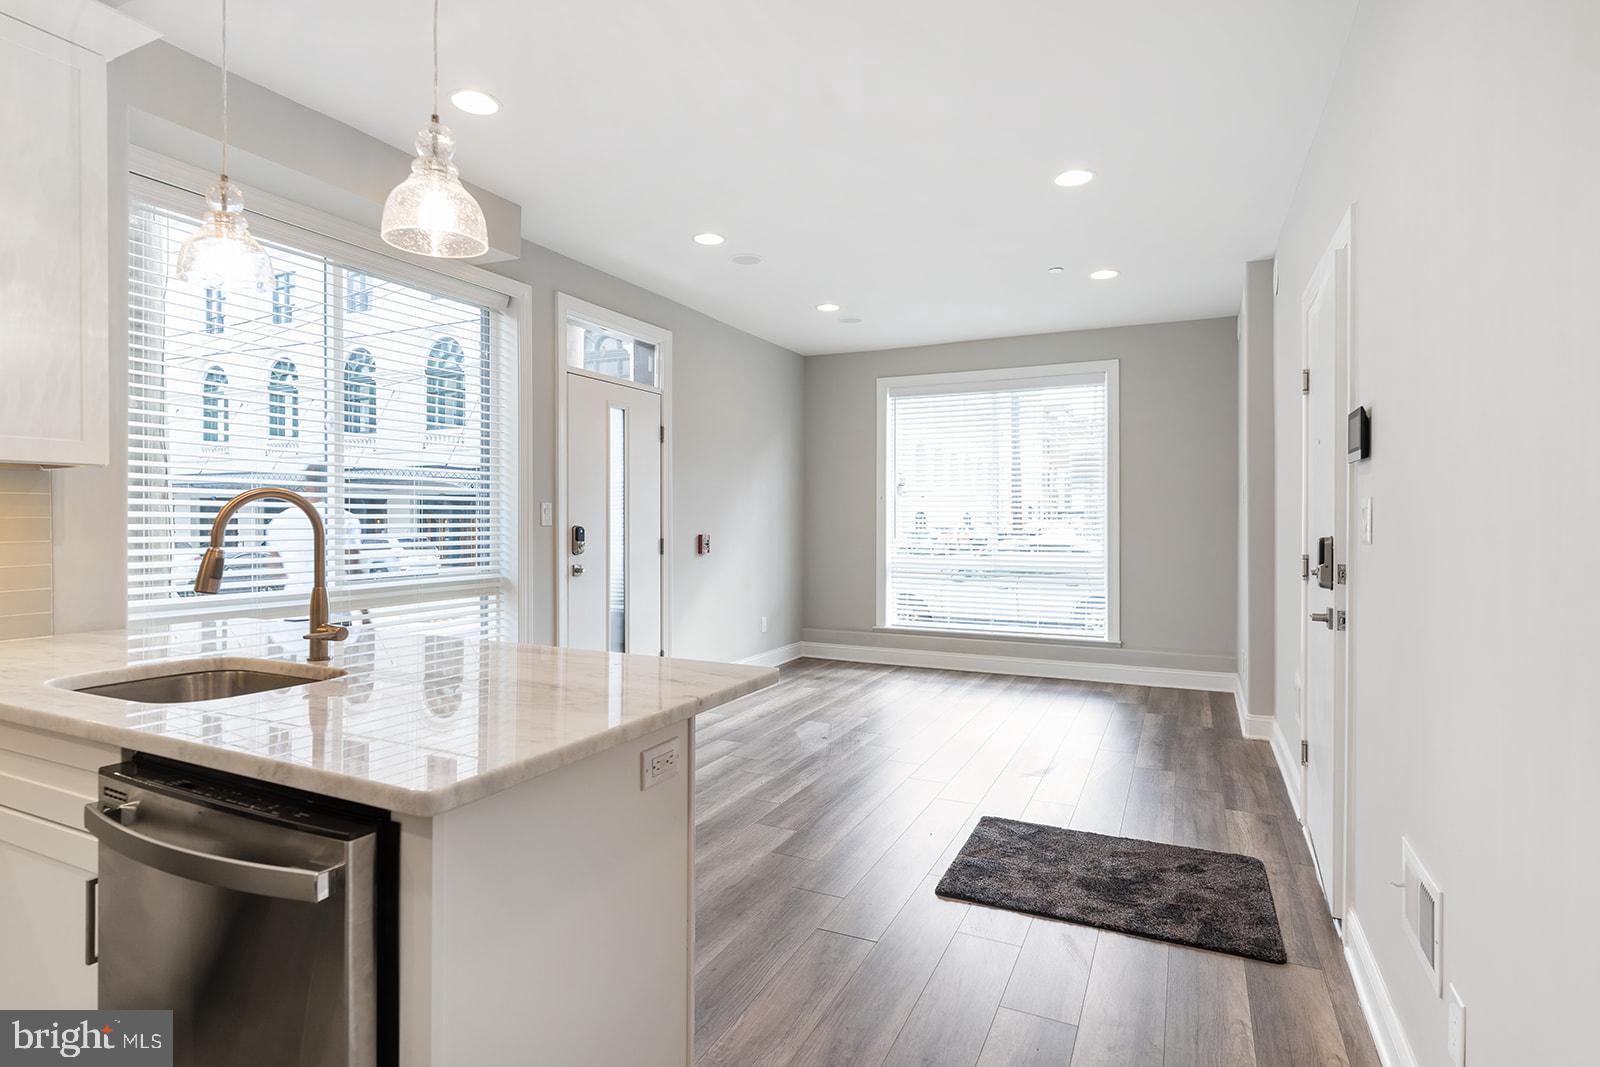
(224, 872)
(1324, 617)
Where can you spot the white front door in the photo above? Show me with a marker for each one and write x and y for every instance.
(612, 543)
(1325, 324)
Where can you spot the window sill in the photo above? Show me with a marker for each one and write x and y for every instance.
(983, 635)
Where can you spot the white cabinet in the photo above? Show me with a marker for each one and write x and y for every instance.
(46, 863)
(53, 248)
(42, 923)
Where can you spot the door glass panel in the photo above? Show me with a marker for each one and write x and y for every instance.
(617, 531)
(615, 354)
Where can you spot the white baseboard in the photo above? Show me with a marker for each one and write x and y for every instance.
(775, 657)
(1387, 1033)
(1261, 727)
(1288, 765)
(1033, 667)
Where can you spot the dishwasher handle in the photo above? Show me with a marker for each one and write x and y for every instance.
(264, 879)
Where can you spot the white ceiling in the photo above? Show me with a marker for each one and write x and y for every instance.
(894, 157)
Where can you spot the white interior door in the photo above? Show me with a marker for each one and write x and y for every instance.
(614, 496)
(1324, 635)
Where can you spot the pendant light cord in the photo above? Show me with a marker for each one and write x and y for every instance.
(225, 92)
(435, 60)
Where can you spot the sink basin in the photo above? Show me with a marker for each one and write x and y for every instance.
(199, 685)
(197, 680)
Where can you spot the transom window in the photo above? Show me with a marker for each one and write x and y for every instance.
(997, 502)
(604, 343)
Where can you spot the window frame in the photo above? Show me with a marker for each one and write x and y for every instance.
(1106, 371)
(176, 185)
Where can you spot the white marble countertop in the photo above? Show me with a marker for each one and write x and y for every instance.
(417, 724)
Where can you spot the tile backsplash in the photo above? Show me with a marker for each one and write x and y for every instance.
(25, 572)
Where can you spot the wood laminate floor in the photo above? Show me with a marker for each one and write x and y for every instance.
(828, 806)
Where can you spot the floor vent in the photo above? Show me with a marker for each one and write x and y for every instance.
(1424, 906)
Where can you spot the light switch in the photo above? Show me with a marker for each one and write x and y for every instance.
(1366, 520)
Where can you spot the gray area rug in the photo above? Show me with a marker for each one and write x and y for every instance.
(1188, 896)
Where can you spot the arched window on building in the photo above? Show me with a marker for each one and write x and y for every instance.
(214, 428)
(283, 400)
(447, 385)
(360, 393)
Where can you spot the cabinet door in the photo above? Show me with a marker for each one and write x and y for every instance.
(53, 369)
(42, 913)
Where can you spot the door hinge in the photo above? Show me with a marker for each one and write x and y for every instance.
(1305, 568)
(1305, 752)
(1305, 381)
(661, 547)
(663, 430)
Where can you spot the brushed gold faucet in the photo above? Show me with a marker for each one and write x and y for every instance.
(209, 577)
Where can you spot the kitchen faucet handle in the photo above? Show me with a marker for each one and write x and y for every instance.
(328, 632)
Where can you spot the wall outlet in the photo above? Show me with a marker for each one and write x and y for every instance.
(763, 624)
(1455, 1041)
(658, 764)
(546, 513)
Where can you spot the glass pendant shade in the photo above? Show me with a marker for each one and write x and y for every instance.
(221, 254)
(431, 213)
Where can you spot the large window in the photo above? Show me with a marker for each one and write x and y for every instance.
(997, 507)
(332, 392)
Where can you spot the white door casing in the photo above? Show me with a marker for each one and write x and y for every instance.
(1324, 620)
(614, 492)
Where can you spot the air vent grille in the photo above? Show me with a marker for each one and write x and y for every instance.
(1423, 906)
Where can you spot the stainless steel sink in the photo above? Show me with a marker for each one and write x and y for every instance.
(194, 686)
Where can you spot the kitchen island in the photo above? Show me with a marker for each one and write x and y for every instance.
(544, 866)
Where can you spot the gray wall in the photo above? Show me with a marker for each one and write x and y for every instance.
(736, 450)
(1255, 635)
(1178, 486)
(736, 453)
(1464, 132)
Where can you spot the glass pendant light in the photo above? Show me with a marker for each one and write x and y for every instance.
(221, 254)
(431, 213)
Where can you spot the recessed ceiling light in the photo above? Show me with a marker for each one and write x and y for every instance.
(1055, 270)
(850, 320)
(474, 101)
(708, 238)
(747, 259)
(827, 307)
(1104, 274)
(1069, 179)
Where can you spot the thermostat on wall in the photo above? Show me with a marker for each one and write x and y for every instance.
(1359, 436)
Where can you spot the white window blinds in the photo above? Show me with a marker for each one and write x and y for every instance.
(999, 502)
(386, 399)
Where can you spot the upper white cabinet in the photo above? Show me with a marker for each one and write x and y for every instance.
(53, 246)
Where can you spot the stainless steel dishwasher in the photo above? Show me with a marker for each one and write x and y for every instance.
(263, 918)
